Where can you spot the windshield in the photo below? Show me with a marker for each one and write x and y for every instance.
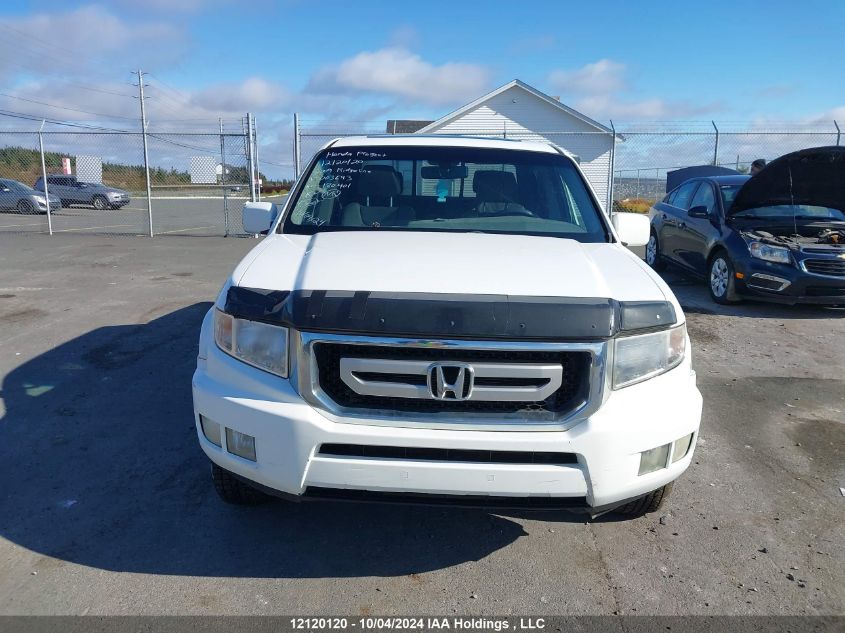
(446, 189)
(728, 194)
(14, 185)
(798, 211)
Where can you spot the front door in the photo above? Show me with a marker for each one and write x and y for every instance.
(699, 232)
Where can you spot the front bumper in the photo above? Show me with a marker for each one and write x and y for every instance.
(759, 281)
(289, 432)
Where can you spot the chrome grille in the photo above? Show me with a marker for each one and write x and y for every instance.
(390, 381)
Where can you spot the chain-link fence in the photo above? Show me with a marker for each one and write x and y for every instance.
(96, 182)
(644, 157)
(628, 169)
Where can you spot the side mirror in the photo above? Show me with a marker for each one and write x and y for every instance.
(258, 217)
(699, 212)
(633, 229)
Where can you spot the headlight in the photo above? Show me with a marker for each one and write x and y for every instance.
(636, 358)
(40, 199)
(259, 344)
(769, 253)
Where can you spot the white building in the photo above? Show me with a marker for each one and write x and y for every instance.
(516, 110)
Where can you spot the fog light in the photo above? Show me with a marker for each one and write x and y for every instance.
(211, 430)
(655, 459)
(681, 447)
(240, 444)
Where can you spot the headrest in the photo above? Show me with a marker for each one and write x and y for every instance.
(494, 186)
(379, 183)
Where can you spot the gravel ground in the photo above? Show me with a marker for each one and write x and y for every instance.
(106, 505)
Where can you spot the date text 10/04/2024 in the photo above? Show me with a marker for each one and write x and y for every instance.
(418, 624)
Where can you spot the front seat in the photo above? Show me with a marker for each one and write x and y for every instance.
(377, 190)
(495, 192)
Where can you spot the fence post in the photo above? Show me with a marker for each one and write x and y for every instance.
(44, 177)
(838, 132)
(257, 163)
(716, 147)
(296, 146)
(223, 180)
(611, 174)
(250, 157)
(146, 154)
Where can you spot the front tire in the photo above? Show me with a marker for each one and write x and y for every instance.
(100, 203)
(232, 490)
(652, 254)
(721, 279)
(651, 502)
(26, 207)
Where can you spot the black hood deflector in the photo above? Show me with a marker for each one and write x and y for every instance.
(814, 176)
(444, 316)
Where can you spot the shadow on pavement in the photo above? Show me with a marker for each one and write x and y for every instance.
(100, 466)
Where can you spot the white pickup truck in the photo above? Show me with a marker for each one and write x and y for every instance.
(440, 319)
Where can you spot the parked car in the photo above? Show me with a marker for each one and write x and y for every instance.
(72, 191)
(19, 197)
(442, 319)
(777, 236)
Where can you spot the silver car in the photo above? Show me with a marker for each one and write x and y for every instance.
(73, 191)
(16, 196)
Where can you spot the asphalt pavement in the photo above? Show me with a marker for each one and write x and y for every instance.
(195, 216)
(106, 505)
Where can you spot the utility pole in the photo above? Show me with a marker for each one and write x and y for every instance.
(140, 74)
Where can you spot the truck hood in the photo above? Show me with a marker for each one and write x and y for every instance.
(814, 176)
(456, 263)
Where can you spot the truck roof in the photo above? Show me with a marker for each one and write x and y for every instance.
(444, 140)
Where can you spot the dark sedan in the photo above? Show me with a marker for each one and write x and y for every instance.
(778, 236)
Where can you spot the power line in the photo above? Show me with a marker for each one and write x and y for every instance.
(30, 117)
(53, 105)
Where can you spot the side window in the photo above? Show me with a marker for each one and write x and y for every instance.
(670, 196)
(704, 197)
(684, 195)
(53, 180)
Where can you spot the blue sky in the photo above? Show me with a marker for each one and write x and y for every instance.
(370, 61)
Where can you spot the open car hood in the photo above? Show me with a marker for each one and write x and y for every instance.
(814, 176)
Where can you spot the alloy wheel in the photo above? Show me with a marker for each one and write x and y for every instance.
(651, 250)
(719, 277)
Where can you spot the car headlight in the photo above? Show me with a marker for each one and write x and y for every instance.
(769, 253)
(259, 344)
(637, 358)
(40, 199)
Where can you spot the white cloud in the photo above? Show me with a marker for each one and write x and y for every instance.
(404, 36)
(599, 78)
(252, 94)
(398, 72)
(601, 90)
(71, 43)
